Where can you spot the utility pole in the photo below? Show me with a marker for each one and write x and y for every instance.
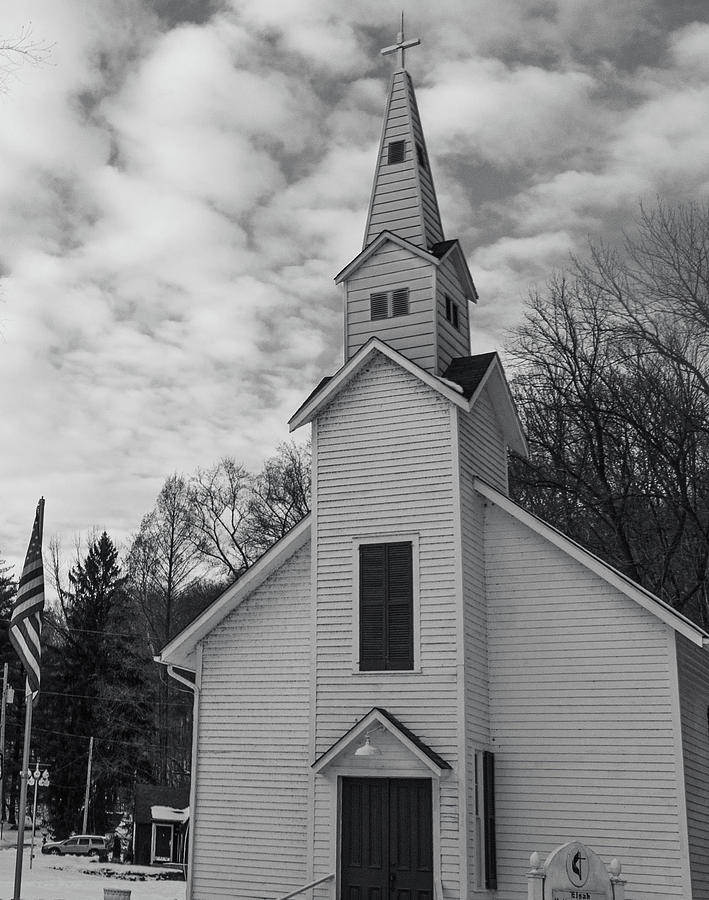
(2, 748)
(88, 785)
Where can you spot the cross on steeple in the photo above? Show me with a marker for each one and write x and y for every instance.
(401, 45)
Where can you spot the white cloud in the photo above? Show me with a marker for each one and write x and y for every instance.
(511, 116)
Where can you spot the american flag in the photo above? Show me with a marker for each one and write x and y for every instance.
(26, 620)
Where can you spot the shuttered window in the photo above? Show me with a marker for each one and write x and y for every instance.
(384, 305)
(379, 306)
(400, 302)
(386, 639)
(396, 152)
(489, 812)
(451, 311)
(485, 843)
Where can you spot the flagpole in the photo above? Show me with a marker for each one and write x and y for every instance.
(23, 791)
(25, 635)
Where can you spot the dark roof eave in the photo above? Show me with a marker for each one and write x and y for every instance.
(468, 371)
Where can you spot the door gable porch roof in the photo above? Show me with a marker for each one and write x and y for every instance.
(380, 718)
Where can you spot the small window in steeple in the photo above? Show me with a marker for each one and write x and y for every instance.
(379, 306)
(452, 311)
(400, 302)
(421, 154)
(396, 151)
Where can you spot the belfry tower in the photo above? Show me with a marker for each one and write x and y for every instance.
(409, 286)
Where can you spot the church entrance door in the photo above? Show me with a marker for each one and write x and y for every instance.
(387, 839)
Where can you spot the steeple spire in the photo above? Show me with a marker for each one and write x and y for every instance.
(403, 196)
(408, 287)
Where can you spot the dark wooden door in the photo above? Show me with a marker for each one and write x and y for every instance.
(387, 839)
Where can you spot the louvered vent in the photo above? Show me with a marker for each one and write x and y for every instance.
(378, 306)
(400, 302)
(396, 151)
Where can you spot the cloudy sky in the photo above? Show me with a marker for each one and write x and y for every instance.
(180, 182)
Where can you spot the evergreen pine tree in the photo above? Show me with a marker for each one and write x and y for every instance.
(98, 674)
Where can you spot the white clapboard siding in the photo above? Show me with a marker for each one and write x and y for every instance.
(389, 268)
(483, 451)
(482, 454)
(581, 716)
(433, 230)
(452, 342)
(251, 798)
(693, 670)
(383, 467)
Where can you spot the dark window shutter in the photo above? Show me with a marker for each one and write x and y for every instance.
(400, 637)
(400, 302)
(454, 318)
(489, 812)
(396, 152)
(372, 607)
(386, 638)
(448, 307)
(378, 306)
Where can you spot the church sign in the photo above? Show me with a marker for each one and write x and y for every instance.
(574, 872)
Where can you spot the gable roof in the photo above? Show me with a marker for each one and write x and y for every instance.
(469, 372)
(380, 717)
(461, 384)
(444, 249)
(613, 577)
(435, 255)
(440, 248)
(330, 387)
(179, 651)
(375, 244)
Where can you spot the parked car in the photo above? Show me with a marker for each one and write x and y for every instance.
(81, 844)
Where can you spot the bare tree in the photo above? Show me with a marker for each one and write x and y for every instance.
(22, 49)
(162, 566)
(280, 494)
(219, 500)
(219, 520)
(237, 516)
(612, 384)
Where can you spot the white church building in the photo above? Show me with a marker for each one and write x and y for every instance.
(421, 684)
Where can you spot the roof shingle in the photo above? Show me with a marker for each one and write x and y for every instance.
(468, 371)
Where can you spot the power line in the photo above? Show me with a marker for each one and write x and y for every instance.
(86, 737)
(107, 699)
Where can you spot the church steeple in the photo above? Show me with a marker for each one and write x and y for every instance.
(408, 287)
(403, 196)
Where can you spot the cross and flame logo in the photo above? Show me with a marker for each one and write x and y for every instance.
(577, 866)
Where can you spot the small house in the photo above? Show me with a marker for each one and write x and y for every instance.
(160, 825)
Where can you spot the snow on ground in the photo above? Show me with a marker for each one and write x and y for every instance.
(61, 878)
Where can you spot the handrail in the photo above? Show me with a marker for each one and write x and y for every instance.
(306, 887)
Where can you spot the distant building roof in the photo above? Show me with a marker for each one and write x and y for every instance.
(149, 795)
(169, 814)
